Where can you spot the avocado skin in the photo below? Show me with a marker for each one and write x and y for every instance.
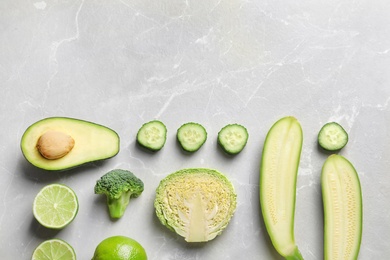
(93, 142)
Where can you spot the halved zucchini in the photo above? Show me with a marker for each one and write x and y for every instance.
(342, 200)
(278, 175)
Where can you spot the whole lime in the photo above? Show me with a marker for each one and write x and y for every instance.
(119, 248)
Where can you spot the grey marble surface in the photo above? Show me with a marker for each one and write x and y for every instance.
(122, 63)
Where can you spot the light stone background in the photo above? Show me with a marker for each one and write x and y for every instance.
(121, 63)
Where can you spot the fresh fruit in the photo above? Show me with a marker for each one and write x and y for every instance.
(59, 143)
(332, 137)
(195, 203)
(278, 176)
(342, 199)
(152, 135)
(191, 136)
(119, 248)
(233, 138)
(55, 206)
(54, 249)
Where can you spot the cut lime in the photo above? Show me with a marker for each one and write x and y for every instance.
(54, 249)
(55, 206)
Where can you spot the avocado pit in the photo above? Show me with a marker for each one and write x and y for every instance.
(54, 144)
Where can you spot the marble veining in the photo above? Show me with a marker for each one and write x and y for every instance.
(122, 63)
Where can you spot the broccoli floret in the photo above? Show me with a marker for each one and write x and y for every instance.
(119, 186)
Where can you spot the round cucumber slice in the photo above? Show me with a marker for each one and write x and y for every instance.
(233, 138)
(332, 137)
(152, 135)
(191, 136)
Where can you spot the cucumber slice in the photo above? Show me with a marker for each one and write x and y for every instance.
(278, 175)
(233, 138)
(191, 136)
(342, 201)
(152, 135)
(332, 137)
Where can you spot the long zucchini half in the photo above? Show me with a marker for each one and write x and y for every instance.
(278, 175)
(342, 201)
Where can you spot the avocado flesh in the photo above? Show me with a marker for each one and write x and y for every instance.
(93, 142)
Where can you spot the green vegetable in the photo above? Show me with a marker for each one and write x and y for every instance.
(233, 138)
(332, 137)
(152, 135)
(278, 175)
(60, 143)
(342, 199)
(195, 203)
(119, 186)
(191, 136)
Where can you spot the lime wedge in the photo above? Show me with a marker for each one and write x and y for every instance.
(55, 206)
(54, 249)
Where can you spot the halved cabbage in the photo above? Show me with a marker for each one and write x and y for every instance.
(195, 203)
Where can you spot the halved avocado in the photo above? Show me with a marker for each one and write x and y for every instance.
(59, 143)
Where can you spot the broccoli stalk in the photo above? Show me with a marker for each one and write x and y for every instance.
(117, 206)
(119, 186)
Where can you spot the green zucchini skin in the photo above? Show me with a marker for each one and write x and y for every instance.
(343, 209)
(278, 175)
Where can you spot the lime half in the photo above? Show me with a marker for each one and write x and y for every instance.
(54, 249)
(55, 206)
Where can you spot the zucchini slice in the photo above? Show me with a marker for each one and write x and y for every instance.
(278, 175)
(342, 201)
